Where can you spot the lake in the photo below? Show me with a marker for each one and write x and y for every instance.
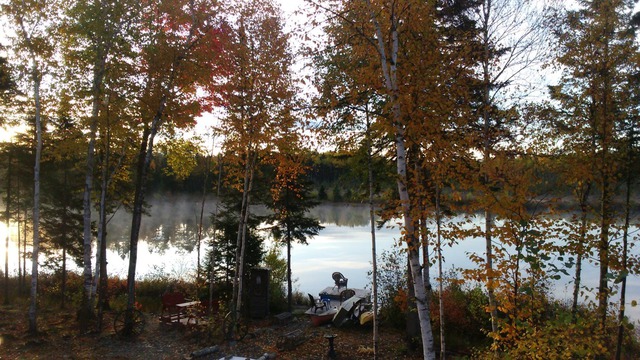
(344, 245)
(167, 246)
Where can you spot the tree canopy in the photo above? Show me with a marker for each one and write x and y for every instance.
(440, 99)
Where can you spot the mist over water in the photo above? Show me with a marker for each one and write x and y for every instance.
(168, 237)
(172, 222)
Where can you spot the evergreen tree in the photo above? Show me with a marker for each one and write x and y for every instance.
(337, 194)
(596, 47)
(7, 85)
(62, 196)
(223, 250)
(62, 221)
(322, 193)
(290, 204)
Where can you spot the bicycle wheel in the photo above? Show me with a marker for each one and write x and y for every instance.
(123, 329)
(235, 328)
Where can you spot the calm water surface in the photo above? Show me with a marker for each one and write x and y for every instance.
(344, 245)
(168, 237)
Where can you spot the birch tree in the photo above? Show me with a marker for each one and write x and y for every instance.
(512, 36)
(595, 46)
(180, 49)
(258, 95)
(348, 109)
(385, 43)
(96, 34)
(388, 48)
(115, 155)
(34, 23)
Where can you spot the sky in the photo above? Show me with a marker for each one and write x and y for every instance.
(205, 122)
(288, 6)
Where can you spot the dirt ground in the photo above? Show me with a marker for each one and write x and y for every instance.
(59, 338)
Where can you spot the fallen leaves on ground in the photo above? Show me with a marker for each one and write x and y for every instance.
(59, 339)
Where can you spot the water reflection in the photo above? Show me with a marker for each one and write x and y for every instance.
(168, 238)
(169, 232)
(169, 223)
(173, 222)
(342, 214)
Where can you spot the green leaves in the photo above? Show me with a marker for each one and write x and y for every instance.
(181, 158)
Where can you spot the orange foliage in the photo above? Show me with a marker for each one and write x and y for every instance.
(402, 300)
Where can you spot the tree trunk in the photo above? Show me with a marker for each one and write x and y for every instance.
(580, 250)
(63, 281)
(65, 244)
(200, 222)
(243, 249)
(440, 274)
(603, 252)
(603, 255)
(241, 242)
(423, 232)
(486, 99)
(289, 285)
(103, 285)
(33, 326)
(493, 308)
(607, 171)
(391, 83)
(372, 221)
(20, 241)
(96, 91)
(7, 217)
(144, 160)
(207, 169)
(426, 271)
(103, 43)
(412, 328)
(136, 220)
(625, 245)
(24, 249)
(236, 300)
(98, 74)
(100, 278)
(213, 241)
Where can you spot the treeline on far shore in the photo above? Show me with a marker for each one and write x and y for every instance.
(342, 177)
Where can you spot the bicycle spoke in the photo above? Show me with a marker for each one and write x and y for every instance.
(123, 328)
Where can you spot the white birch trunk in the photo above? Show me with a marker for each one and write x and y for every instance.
(389, 72)
(6, 244)
(102, 52)
(88, 185)
(443, 351)
(33, 328)
(372, 219)
(242, 231)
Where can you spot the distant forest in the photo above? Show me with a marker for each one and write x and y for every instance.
(342, 177)
(335, 177)
(523, 113)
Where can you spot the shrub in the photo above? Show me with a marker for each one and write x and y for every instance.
(465, 315)
(392, 287)
(278, 279)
